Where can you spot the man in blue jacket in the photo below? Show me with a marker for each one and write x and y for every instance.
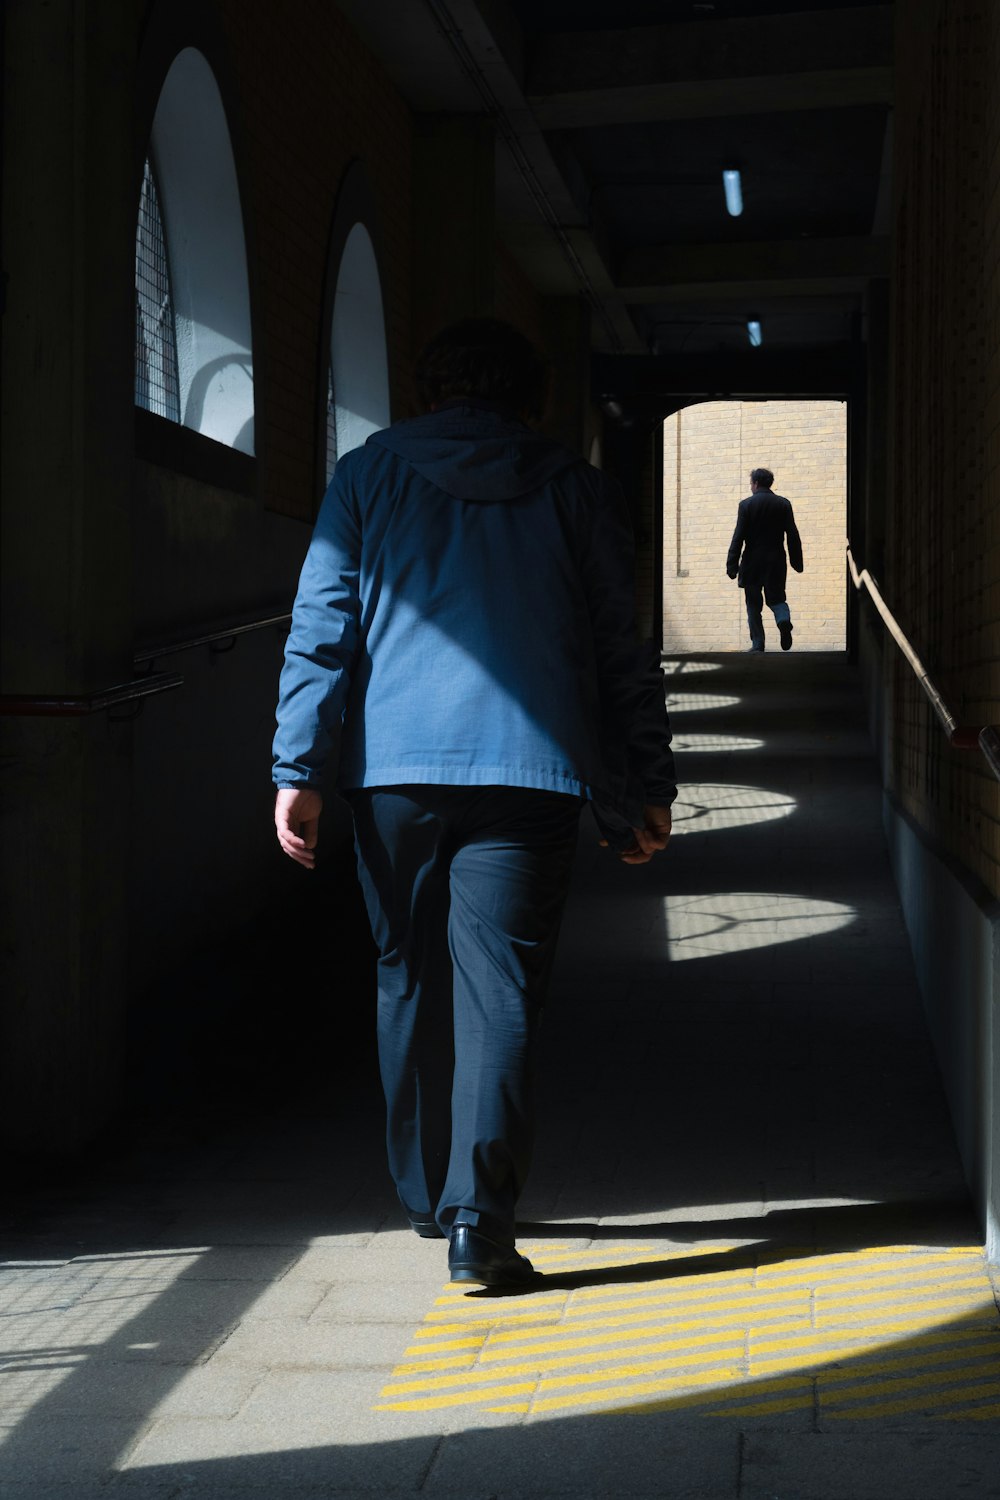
(462, 667)
(763, 520)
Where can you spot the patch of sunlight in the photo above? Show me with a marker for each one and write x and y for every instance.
(676, 666)
(738, 921)
(705, 807)
(59, 1317)
(755, 1211)
(690, 703)
(721, 1330)
(721, 744)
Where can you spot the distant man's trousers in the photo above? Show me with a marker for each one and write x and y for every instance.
(465, 889)
(776, 603)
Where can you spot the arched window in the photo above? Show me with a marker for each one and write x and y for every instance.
(201, 241)
(358, 370)
(156, 387)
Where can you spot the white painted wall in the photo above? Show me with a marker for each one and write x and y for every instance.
(193, 157)
(358, 356)
(954, 929)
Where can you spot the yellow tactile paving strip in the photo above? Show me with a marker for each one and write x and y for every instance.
(850, 1336)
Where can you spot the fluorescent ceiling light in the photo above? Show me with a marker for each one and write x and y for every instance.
(756, 337)
(734, 191)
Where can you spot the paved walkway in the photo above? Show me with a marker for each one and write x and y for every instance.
(762, 1279)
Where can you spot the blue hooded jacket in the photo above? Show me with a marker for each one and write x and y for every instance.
(464, 616)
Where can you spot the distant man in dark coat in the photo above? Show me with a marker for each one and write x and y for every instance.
(763, 522)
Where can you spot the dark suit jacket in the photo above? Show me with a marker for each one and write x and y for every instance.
(763, 521)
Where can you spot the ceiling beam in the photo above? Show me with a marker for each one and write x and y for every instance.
(639, 382)
(671, 273)
(713, 98)
(466, 56)
(707, 69)
(480, 33)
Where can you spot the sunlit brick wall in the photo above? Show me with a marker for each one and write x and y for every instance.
(708, 452)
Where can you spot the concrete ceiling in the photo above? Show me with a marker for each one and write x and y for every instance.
(614, 123)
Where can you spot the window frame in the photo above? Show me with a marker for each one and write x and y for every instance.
(355, 204)
(170, 27)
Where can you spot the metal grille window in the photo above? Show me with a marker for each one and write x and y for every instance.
(156, 384)
(331, 426)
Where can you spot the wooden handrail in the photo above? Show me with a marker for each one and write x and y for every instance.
(961, 736)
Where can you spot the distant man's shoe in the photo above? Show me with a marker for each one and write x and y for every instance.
(425, 1225)
(755, 650)
(475, 1257)
(785, 631)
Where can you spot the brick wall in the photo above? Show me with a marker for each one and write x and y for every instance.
(708, 452)
(943, 532)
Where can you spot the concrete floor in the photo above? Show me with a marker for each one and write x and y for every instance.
(762, 1276)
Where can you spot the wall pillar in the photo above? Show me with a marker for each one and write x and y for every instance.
(454, 239)
(68, 335)
(877, 454)
(566, 321)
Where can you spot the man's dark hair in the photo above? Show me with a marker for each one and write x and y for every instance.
(486, 359)
(763, 477)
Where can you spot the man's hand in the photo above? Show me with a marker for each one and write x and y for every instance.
(653, 836)
(296, 820)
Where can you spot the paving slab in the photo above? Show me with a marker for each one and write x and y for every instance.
(617, 1457)
(53, 1450)
(300, 1343)
(121, 1391)
(937, 1465)
(297, 1436)
(193, 1488)
(116, 1488)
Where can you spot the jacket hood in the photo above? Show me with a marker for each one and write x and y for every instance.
(476, 454)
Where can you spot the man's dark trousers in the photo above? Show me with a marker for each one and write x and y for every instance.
(755, 594)
(465, 889)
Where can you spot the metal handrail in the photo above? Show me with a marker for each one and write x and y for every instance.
(78, 705)
(961, 736)
(209, 638)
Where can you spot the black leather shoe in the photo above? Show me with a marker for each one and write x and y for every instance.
(474, 1257)
(425, 1225)
(785, 631)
